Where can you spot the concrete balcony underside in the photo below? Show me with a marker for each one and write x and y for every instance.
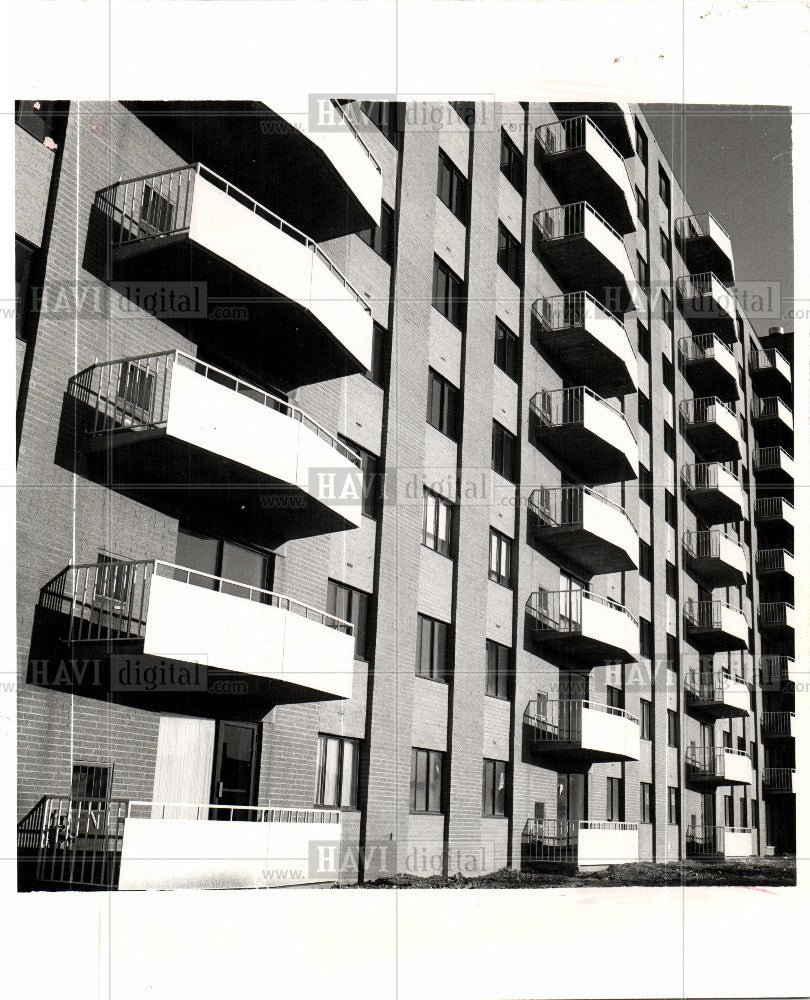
(708, 307)
(593, 260)
(722, 563)
(709, 251)
(586, 546)
(717, 499)
(317, 180)
(715, 438)
(302, 323)
(719, 629)
(713, 375)
(582, 732)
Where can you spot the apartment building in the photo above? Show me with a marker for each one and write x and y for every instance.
(386, 487)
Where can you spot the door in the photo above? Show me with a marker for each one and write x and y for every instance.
(183, 767)
(571, 808)
(709, 822)
(234, 773)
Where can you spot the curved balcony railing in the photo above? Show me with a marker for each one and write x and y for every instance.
(770, 407)
(561, 610)
(561, 721)
(707, 544)
(557, 407)
(561, 137)
(572, 310)
(353, 129)
(690, 226)
(703, 346)
(693, 286)
(711, 685)
(712, 761)
(559, 507)
(704, 410)
(706, 475)
(568, 220)
(708, 614)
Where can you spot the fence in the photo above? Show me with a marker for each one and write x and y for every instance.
(558, 407)
(568, 220)
(561, 137)
(561, 610)
(706, 544)
(692, 226)
(201, 811)
(707, 614)
(773, 560)
(709, 762)
(704, 410)
(571, 311)
(769, 407)
(772, 457)
(710, 685)
(561, 721)
(778, 779)
(776, 508)
(775, 613)
(702, 346)
(705, 476)
(777, 723)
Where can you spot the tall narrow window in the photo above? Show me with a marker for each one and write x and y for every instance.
(448, 293)
(427, 768)
(442, 405)
(23, 259)
(615, 800)
(646, 802)
(509, 254)
(673, 807)
(437, 522)
(500, 558)
(336, 772)
(646, 719)
(504, 447)
(381, 238)
(351, 605)
(494, 788)
(385, 115)
(451, 187)
(378, 372)
(507, 351)
(672, 728)
(512, 163)
(432, 645)
(498, 657)
(372, 480)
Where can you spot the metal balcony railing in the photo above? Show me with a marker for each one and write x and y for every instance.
(568, 220)
(777, 723)
(766, 359)
(561, 610)
(774, 669)
(702, 346)
(710, 686)
(202, 811)
(561, 137)
(704, 410)
(74, 841)
(570, 311)
(133, 394)
(158, 205)
(706, 544)
(710, 762)
(771, 457)
(562, 506)
(773, 560)
(773, 507)
(778, 779)
(690, 226)
(710, 840)
(768, 407)
(109, 600)
(705, 475)
(774, 612)
(692, 286)
(558, 840)
(557, 407)
(707, 614)
(561, 721)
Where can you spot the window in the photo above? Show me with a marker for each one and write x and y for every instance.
(229, 567)
(672, 728)
(673, 810)
(385, 115)
(381, 238)
(672, 580)
(669, 439)
(465, 110)
(645, 560)
(644, 346)
(645, 485)
(670, 509)
(432, 645)
(426, 780)
(754, 813)
(36, 117)
(336, 772)
(668, 373)
(494, 788)
(672, 652)
(615, 800)
(448, 293)
(498, 657)
(664, 186)
(644, 412)
(642, 208)
(641, 143)
(646, 719)
(512, 163)
(646, 803)
(666, 249)
(157, 212)
(728, 801)
(615, 697)
(378, 372)
(507, 351)
(643, 272)
(504, 446)
(442, 405)
(666, 311)
(500, 558)
(645, 634)
(90, 781)
(23, 259)
(509, 254)
(352, 606)
(452, 187)
(743, 812)
(727, 739)
(437, 522)
(372, 480)
(752, 748)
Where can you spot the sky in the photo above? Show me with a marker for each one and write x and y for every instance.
(736, 162)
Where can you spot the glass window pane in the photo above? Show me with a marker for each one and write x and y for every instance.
(439, 651)
(443, 531)
(348, 789)
(435, 782)
(420, 784)
(486, 806)
(500, 788)
(331, 772)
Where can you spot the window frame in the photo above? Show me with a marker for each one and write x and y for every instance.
(510, 366)
(361, 627)
(489, 789)
(497, 683)
(673, 806)
(443, 411)
(433, 648)
(382, 238)
(673, 734)
(455, 188)
(513, 163)
(449, 297)
(435, 507)
(431, 757)
(646, 802)
(503, 552)
(321, 772)
(646, 719)
(501, 437)
(510, 255)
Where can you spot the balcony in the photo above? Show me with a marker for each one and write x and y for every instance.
(88, 844)
(714, 626)
(720, 842)
(588, 435)
(775, 515)
(778, 780)
(583, 251)
(775, 670)
(582, 731)
(711, 428)
(770, 373)
(584, 845)
(777, 619)
(323, 180)
(305, 318)
(774, 466)
(714, 492)
(159, 614)
(772, 420)
(776, 564)
(581, 625)
(577, 158)
(587, 343)
(778, 725)
(715, 558)
(718, 766)
(174, 432)
(709, 366)
(584, 528)
(705, 246)
(717, 694)
(707, 305)
(614, 119)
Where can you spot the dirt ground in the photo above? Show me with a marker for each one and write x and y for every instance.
(747, 872)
